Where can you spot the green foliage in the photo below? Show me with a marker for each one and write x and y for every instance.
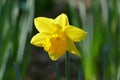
(16, 20)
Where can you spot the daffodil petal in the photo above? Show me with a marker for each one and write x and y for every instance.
(72, 48)
(54, 56)
(43, 24)
(75, 33)
(62, 20)
(38, 39)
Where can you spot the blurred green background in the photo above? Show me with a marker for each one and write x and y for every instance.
(100, 51)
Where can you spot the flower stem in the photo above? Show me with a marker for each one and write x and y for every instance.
(67, 66)
(57, 71)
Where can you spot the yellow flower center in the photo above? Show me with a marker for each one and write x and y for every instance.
(56, 43)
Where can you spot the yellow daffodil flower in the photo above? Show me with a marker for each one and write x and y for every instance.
(57, 36)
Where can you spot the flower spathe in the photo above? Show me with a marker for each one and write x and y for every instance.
(57, 36)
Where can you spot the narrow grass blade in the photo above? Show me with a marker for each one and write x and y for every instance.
(18, 76)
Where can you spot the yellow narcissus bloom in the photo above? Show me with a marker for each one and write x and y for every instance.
(57, 36)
